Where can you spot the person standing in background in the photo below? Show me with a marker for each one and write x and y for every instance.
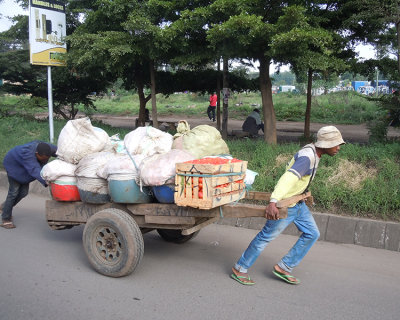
(212, 106)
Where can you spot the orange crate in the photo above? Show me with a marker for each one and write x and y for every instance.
(206, 186)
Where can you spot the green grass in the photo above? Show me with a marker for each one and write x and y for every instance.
(377, 196)
(339, 108)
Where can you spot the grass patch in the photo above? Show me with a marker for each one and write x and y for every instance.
(359, 181)
(339, 107)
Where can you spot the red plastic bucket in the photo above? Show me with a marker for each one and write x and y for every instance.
(64, 192)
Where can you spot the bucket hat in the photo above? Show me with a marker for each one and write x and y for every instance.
(328, 137)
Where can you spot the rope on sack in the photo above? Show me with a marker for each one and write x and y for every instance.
(136, 167)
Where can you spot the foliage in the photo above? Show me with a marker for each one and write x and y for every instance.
(70, 87)
(389, 107)
(375, 197)
(345, 107)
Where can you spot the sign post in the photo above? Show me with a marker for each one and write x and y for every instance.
(47, 31)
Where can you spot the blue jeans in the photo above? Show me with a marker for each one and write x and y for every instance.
(304, 221)
(16, 192)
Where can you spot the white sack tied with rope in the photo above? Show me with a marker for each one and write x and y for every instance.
(121, 167)
(86, 172)
(148, 141)
(79, 138)
(159, 169)
(57, 168)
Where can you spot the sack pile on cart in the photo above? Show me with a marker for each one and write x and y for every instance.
(142, 167)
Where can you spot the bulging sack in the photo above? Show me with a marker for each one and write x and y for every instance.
(123, 166)
(79, 138)
(90, 164)
(160, 169)
(147, 141)
(201, 141)
(57, 168)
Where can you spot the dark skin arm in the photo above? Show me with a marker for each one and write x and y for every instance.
(272, 212)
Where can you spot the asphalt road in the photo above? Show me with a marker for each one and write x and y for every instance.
(45, 274)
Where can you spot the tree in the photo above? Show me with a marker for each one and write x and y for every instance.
(247, 33)
(70, 87)
(308, 49)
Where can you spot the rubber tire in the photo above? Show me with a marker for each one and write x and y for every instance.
(175, 235)
(119, 226)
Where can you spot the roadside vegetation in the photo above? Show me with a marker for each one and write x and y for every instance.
(359, 181)
(344, 107)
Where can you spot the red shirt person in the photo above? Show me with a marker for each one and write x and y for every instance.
(212, 106)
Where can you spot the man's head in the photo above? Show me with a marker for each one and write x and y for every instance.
(329, 140)
(256, 110)
(43, 152)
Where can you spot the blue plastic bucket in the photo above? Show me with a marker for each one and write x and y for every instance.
(164, 193)
(128, 191)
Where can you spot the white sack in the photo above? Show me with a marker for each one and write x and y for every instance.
(79, 138)
(95, 185)
(122, 165)
(160, 169)
(57, 168)
(148, 141)
(88, 165)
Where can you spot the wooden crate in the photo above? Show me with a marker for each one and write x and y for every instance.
(207, 186)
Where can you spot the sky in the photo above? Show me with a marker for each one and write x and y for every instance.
(10, 8)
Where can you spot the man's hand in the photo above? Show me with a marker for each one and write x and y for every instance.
(271, 211)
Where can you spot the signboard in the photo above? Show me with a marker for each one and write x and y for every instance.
(47, 31)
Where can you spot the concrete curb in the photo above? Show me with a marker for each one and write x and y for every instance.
(333, 228)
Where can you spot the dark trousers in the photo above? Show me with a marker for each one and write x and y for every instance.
(211, 112)
(16, 192)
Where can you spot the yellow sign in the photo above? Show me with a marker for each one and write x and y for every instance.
(47, 31)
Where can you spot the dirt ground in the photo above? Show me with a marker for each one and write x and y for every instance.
(286, 131)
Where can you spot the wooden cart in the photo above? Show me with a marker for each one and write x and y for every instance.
(113, 233)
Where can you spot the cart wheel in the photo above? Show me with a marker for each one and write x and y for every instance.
(113, 242)
(175, 235)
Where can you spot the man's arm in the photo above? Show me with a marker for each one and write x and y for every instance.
(286, 181)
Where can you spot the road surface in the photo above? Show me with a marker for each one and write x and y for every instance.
(45, 274)
(286, 130)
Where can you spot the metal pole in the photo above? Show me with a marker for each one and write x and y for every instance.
(50, 99)
(377, 81)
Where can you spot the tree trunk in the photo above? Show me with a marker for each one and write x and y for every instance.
(219, 97)
(267, 103)
(225, 86)
(308, 107)
(398, 45)
(142, 104)
(153, 95)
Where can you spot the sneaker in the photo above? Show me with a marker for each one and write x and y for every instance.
(7, 224)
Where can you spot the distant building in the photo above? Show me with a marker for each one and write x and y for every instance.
(357, 84)
(286, 88)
